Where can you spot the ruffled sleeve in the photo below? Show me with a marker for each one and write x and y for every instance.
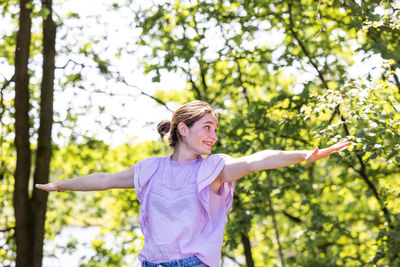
(143, 171)
(214, 204)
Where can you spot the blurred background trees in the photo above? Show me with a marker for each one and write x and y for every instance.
(281, 74)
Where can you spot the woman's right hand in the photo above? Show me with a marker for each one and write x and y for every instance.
(48, 187)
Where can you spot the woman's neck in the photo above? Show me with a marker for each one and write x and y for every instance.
(183, 154)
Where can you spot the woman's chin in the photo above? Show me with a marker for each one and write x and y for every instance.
(205, 152)
(208, 152)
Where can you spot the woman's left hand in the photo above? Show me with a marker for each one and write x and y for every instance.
(317, 153)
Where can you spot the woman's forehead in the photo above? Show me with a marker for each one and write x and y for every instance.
(209, 118)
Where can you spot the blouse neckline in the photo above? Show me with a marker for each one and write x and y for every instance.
(183, 163)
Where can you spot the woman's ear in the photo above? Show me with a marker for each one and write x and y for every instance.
(182, 129)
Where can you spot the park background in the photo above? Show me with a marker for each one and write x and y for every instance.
(84, 83)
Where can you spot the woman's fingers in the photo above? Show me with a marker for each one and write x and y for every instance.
(47, 187)
(340, 145)
(44, 187)
(326, 152)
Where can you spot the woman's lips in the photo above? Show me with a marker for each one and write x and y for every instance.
(209, 144)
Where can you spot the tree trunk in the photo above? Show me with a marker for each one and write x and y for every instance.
(244, 235)
(43, 152)
(272, 211)
(247, 249)
(22, 172)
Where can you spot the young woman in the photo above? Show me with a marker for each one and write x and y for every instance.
(185, 197)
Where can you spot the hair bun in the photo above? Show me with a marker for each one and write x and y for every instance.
(163, 127)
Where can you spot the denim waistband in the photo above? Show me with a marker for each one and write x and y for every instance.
(186, 262)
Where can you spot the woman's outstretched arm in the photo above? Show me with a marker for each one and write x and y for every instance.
(93, 182)
(272, 159)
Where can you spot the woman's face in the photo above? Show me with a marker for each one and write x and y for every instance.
(202, 135)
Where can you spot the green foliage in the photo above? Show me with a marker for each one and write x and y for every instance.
(276, 71)
(337, 212)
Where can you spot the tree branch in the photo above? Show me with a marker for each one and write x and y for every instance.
(7, 229)
(274, 223)
(223, 254)
(291, 217)
(363, 173)
(244, 233)
(123, 81)
(241, 81)
(303, 48)
(7, 83)
(202, 71)
(319, 19)
(146, 94)
(194, 86)
(203, 76)
(396, 78)
(76, 63)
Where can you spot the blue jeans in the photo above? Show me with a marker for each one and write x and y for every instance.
(186, 262)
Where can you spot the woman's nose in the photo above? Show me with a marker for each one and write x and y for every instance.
(214, 136)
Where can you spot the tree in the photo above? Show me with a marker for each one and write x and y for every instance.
(34, 112)
(261, 100)
(44, 148)
(22, 207)
(277, 72)
(30, 211)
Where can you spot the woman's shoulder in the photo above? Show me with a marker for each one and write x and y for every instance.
(144, 169)
(214, 161)
(217, 157)
(150, 160)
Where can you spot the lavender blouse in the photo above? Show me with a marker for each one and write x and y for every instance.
(180, 215)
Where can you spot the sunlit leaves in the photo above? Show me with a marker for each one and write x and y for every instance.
(290, 92)
(370, 113)
(276, 72)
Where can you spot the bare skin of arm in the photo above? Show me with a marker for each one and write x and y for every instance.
(234, 170)
(93, 182)
(271, 159)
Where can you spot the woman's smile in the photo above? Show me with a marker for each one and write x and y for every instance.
(209, 144)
